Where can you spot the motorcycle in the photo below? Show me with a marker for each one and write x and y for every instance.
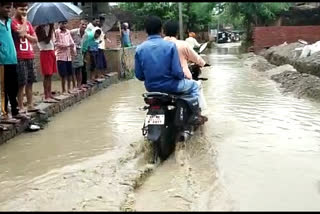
(172, 117)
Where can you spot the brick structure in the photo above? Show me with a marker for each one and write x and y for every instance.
(265, 37)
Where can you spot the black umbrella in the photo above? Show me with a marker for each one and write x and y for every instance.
(47, 13)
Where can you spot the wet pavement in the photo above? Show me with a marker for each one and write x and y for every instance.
(258, 151)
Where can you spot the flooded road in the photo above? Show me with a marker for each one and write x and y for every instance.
(258, 151)
(268, 144)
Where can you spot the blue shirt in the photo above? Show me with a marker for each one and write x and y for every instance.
(125, 37)
(157, 64)
(8, 54)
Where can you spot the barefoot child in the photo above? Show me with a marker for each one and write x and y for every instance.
(65, 50)
(47, 58)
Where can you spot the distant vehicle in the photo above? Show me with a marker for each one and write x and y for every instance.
(237, 35)
(223, 37)
(229, 36)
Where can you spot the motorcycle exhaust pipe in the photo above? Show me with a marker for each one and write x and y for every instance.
(144, 108)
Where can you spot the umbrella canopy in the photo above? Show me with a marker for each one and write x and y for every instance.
(49, 13)
(110, 20)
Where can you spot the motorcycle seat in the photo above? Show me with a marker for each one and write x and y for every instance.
(155, 94)
(160, 94)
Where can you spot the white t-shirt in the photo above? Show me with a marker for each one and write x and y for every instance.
(102, 45)
(192, 42)
(44, 46)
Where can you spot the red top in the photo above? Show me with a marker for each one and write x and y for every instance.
(23, 45)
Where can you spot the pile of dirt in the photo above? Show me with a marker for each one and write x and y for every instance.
(286, 54)
(302, 85)
(290, 80)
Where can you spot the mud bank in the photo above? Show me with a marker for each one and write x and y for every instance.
(291, 80)
(50, 109)
(286, 54)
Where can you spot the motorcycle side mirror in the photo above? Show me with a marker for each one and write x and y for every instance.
(203, 47)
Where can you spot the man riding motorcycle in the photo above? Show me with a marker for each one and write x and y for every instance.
(157, 64)
(186, 53)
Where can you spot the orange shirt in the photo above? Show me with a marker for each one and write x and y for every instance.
(186, 54)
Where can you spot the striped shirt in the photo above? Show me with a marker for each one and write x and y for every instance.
(62, 43)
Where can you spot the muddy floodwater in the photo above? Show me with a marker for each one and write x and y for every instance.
(258, 151)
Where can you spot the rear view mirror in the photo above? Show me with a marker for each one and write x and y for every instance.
(203, 47)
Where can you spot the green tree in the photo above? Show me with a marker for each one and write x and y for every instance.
(196, 16)
(165, 10)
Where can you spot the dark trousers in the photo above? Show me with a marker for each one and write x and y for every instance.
(84, 69)
(84, 73)
(11, 88)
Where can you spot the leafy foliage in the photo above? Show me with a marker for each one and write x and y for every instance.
(196, 16)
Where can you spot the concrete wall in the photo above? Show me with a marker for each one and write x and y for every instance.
(265, 37)
(120, 60)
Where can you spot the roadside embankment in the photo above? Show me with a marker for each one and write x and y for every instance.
(283, 65)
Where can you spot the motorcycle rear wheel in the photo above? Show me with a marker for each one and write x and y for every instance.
(166, 143)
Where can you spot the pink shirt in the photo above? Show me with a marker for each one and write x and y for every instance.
(186, 54)
(62, 43)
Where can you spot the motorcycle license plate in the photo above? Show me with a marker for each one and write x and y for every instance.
(157, 119)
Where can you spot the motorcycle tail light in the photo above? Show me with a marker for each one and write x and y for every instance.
(155, 107)
(150, 101)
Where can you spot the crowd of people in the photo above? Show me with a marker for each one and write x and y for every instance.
(77, 55)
